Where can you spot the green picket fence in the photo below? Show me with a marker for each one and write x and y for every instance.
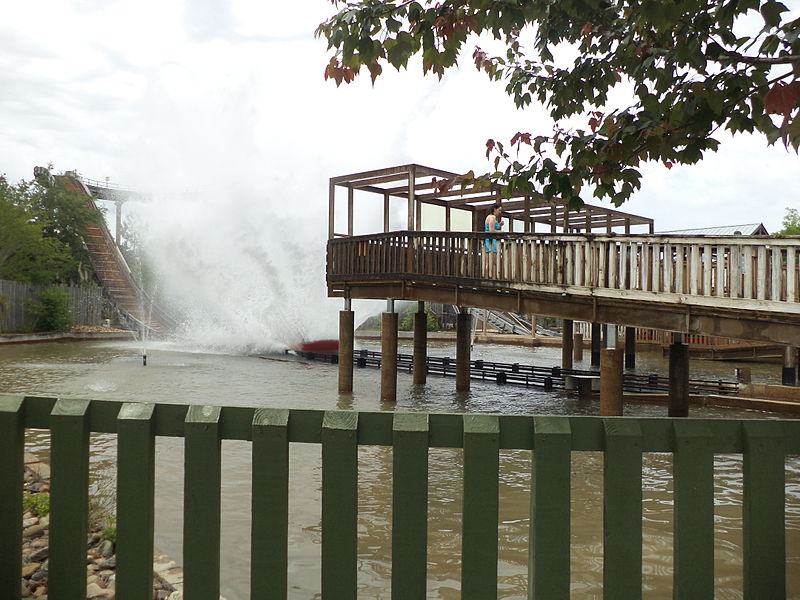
(764, 445)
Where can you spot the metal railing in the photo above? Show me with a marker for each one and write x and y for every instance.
(728, 272)
(764, 445)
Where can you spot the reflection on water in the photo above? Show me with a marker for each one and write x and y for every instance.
(174, 374)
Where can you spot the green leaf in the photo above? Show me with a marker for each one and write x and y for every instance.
(771, 12)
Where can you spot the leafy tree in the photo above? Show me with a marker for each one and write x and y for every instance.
(25, 254)
(791, 222)
(63, 213)
(689, 67)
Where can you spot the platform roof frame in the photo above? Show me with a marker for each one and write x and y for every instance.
(418, 185)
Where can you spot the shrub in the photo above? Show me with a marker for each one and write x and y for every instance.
(51, 310)
(38, 504)
(110, 530)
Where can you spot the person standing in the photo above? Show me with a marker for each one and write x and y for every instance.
(493, 222)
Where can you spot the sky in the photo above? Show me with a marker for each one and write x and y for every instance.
(227, 98)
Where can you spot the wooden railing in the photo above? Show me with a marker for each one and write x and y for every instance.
(730, 271)
(764, 445)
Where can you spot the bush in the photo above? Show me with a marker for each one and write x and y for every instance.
(51, 310)
(407, 322)
(38, 504)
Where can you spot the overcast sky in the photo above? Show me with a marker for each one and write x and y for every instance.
(194, 93)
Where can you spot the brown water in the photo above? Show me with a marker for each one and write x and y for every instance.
(176, 374)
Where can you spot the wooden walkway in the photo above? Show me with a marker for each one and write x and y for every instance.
(732, 286)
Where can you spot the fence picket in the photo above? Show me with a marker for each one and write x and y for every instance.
(339, 504)
(481, 506)
(409, 505)
(135, 500)
(12, 445)
(201, 502)
(763, 512)
(549, 563)
(622, 509)
(693, 520)
(69, 497)
(270, 504)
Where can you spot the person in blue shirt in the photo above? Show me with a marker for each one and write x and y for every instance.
(494, 222)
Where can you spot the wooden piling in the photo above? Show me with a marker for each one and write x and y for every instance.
(630, 347)
(463, 342)
(566, 344)
(420, 345)
(577, 347)
(611, 382)
(595, 344)
(389, 356)
(346, 322)
(679, 380)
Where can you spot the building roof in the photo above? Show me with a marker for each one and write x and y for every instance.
(746, 229)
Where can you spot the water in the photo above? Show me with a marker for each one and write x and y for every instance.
(112, 370)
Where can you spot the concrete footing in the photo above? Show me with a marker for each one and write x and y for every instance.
(346, 331)
(389, 354)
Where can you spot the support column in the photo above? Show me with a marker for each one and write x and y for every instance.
(630, 347)
(604, 336)
(595, 344)
(463, 339)
(420, 345)
(389, 354)
(611, 382)
(566, 344)
(789, 366)
(678, 378)
(346, 328)
(577, 347)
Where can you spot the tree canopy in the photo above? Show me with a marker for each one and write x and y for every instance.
(791, 222)
(685, 69)
(41, 233)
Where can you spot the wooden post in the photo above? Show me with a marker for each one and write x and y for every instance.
(420, 344)
(118, 215)
(577, 347)
(595, 344)
(630, 347)
(566, 344)
(412, 181)
(611, 382)
(679, 379)
(789, 366)
(346, 322)
(389, 355)
(331, 208)
(350, 210)
(386, 212)
(463, 339)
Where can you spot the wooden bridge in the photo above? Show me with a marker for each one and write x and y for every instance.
(587, 265)
(730, 286)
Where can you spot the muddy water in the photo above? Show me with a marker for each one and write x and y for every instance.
(178, 374)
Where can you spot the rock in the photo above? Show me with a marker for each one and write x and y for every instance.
(30, 569)
(45, 521)
(40, 554)
(106, 548)
(110, 563)
(92, 579)
(33, 531)
(39, 575)
(40, 592)
(95, 591)
(29, 521)
(94, 538)
(172, 596)
(25, 592)
(173, 576)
